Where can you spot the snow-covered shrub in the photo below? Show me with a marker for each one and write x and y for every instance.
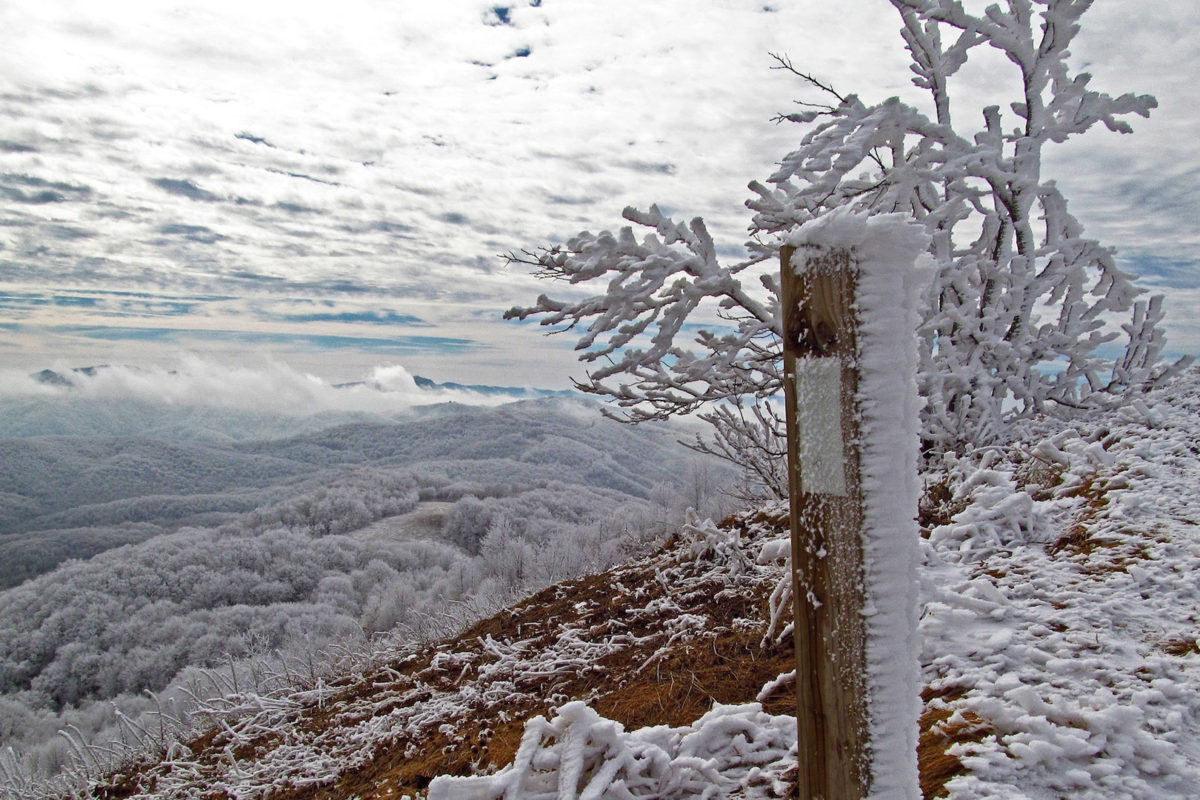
(720, 545)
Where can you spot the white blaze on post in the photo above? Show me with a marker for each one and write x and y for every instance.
(819, 426)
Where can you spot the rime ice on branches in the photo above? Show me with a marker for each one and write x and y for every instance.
(1015, 319)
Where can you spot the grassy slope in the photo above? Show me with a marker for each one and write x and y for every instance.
(654, 642)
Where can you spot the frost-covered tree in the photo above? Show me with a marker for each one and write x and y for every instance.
(1021, 318)
(467, 522)
(506, 555)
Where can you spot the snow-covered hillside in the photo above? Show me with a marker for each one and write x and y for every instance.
(652, 641)
(1061, 655)
(1060, 627)
(1062, 608)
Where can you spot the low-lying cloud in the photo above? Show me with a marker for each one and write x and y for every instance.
(271, 387)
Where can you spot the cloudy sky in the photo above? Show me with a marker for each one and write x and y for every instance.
(327, 185)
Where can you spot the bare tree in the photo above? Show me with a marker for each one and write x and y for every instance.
(750, 435)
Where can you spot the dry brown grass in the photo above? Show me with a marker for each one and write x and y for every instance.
(1079, 539)
(1076, 541)
(728, 666)
(935, 764)
(1182, 646)
(726, 663)
(937, 505)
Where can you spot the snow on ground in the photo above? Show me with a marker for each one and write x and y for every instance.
(423, 522)
(653, 643)
(1063, 609)
(730, 748)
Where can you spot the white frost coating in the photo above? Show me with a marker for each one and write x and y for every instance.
(890, 252)
(580, 755)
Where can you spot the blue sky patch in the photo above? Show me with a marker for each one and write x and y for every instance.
(1171, 272)
(385, 317)
(77, 301)
(184, 188)
(22, 300)
(395, 345)
(121, 334)
(195, 233)
(156, 308)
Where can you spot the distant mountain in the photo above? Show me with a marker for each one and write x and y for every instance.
(52, 378)
(494, 391)
(70, 481)
(165, 540)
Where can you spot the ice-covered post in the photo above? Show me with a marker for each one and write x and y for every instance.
(849, 287)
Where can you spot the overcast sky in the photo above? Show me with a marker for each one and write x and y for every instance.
(327, 185)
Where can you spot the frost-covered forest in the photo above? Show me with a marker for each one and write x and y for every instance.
(129, 561)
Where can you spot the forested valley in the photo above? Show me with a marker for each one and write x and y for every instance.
(173, 542)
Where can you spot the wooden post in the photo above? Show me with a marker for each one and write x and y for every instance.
(821, 381)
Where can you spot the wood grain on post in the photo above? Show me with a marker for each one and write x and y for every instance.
(821, 381)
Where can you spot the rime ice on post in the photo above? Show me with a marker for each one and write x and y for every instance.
(850, 286)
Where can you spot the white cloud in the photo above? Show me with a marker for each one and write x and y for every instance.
(399, 146)
(265, 387)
